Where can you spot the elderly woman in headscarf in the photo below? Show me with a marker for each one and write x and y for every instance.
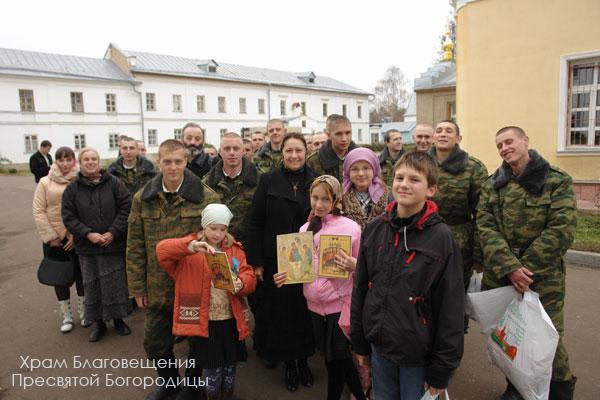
(365, 194)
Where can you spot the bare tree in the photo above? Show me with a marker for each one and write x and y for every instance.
(391, 96)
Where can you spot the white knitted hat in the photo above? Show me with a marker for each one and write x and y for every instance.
(216, 214)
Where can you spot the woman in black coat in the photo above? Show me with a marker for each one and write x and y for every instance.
(281, 204)
(95, 208)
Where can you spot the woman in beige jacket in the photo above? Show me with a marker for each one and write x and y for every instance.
(48, 220)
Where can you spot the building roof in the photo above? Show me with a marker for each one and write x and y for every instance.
(440, 75)
(32, 63)
(411, 109)
(190, 67)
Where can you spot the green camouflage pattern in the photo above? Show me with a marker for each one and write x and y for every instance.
(457, 198)
(150, 222)
(267, 159)
(158, 333)
(518, 229)
(314, 162)
(238, 198)
(134, 178)
(387, 166)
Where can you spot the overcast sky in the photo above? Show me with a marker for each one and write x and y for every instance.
(352, 41)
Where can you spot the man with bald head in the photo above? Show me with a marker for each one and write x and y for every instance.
(423, 137)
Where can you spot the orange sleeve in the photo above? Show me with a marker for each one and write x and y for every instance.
(170, 251)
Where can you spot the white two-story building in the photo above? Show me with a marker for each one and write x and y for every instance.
(78, 101)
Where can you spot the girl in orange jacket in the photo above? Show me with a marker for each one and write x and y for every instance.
(215, 320)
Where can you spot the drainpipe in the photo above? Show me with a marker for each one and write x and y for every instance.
(269, 102)
(141, 112)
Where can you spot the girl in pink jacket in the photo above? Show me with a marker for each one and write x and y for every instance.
(325, 296)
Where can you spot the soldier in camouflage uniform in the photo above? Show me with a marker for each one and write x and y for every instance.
(131, 168)
(234, 179)
(423, 137)
(461, 177)
(526, 220)
(391, 153)
(170, 205)
(269, 155)
(329, 159)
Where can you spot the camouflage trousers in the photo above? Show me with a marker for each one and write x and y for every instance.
(463, 235)
(158, 333)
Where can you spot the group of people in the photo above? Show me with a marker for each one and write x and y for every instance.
(420, 222)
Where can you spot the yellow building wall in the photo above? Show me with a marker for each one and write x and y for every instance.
(432, 106)
(508, 70)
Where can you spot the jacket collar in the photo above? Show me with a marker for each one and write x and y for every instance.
(327, 156)
(455, 163)
(266, 148)
(191, 189)
(428, 216)
(532, 179)
(385, 155)
(142, 164)
(249, 175)
(85, 181)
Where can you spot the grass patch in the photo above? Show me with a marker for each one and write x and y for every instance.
(587, 236)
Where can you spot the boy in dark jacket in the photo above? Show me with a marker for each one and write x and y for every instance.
(408, 297)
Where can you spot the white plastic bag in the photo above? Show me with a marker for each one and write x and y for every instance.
(488, 307)
(523, 344)
(475, 282)
(443, 396)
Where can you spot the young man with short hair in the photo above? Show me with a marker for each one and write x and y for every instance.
(526, 220)
(318, 139)
(269, 155)
(234, 179)
(408, 297)
(423, 137)
(41, 161)
(258, 139)
(248, 150)
(141, 147)
(170, 205)
(391, 154)
(131, 168)
(329, 160)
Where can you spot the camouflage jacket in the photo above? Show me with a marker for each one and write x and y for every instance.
(526, 221)
(459, 185)
(154, 217)
(136, 177)
(387, 164)
(236, 194)
(267, 159)
(326, 162)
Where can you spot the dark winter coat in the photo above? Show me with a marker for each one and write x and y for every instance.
(38, 166)
(326, 162)
(201, 164)
(98, 207)
(277, 209)
(408, 295)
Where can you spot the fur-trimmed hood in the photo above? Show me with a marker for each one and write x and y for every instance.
(192, 188)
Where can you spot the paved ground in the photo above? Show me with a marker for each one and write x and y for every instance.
(30, 329)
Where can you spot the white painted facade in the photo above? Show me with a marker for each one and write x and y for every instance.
(165, 120)
(54, 120)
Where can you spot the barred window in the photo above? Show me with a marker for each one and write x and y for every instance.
(26, 100)
(111, 102)
(584, 104)
(79, 139)
(77, 102)
(150, 102)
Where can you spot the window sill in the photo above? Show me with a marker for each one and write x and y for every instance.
(571, 152)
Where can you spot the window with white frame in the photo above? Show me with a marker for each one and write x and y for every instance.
(261, 106)
(176, 103)
(344, 110)
(222, 131)
(359, 111)
(303, 107)
(282, 107)
(77, 102)
(79, 141)
(242, 105)
(111, 102)
(200, 103)
(26, 100)
(325, 110)
(177, 134)
(31, 143)
(150, 102)
(584, 104)
(360, 135)
(152, 137)
(113, 141)
(303, 123)
(222, 104)
(374, 138)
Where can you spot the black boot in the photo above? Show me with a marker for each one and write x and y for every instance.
(121, 327)
(190, 389)
(98, 331)
(562, 390)
(161, 392)
(511, 393)
(291, 376)
(306, 377)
